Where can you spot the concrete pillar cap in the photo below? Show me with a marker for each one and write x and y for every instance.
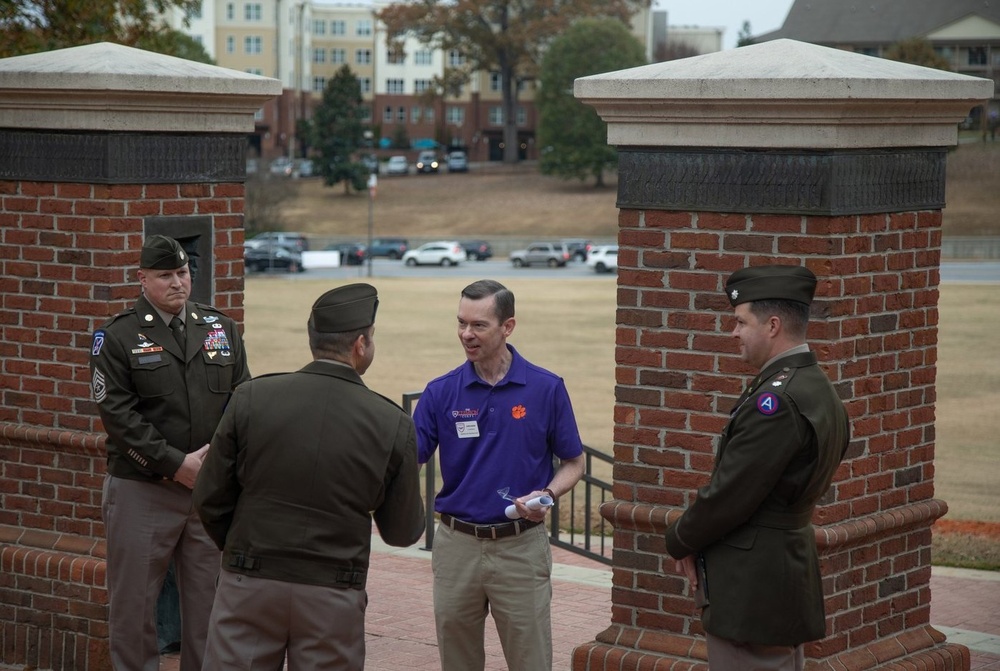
(112, 87)
(783, 94)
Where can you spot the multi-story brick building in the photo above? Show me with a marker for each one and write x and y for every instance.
(304, 43)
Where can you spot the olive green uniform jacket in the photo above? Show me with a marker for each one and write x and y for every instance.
(751, 523)
(300, 464)
(156, 402)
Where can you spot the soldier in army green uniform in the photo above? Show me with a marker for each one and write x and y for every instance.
(746, 543)
(300, 465)
(161, 373)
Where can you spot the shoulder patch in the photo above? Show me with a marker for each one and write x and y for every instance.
(98, 343)
(767, 403)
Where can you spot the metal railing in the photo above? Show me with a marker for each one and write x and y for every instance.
(589, 540)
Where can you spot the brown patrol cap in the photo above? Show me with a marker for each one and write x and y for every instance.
(788, 283)
(162, 253)
(346, 308)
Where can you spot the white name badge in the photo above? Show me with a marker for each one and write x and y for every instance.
(467, 429)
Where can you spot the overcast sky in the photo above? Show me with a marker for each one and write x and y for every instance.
(763, 15)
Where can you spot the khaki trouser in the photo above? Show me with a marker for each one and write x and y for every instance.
(726, 655)
(256, 622)
(511, 578)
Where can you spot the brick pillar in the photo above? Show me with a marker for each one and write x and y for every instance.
(782, 152)
(99, 146)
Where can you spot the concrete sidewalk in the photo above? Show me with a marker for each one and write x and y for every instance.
(965, 605)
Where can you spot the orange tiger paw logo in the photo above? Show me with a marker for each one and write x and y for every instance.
(518, 412)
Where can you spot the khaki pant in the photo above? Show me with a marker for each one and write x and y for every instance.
(256, 622)
(147, 524)
(726, 655)
(511, 578)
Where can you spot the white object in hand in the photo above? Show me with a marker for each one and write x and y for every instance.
(536, 503)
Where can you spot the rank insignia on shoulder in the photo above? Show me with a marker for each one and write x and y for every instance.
(767, 403)
(99, 385)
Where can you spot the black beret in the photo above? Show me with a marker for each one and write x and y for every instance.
(162, 253)
(346, 308)
(789, 283)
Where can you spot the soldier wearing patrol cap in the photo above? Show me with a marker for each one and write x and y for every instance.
(746, 543)
(299, 466)
(162, 372)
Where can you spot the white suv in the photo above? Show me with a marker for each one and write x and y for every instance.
(603, 258)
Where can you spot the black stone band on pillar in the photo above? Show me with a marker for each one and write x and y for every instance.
(121, 158)
(782, 182)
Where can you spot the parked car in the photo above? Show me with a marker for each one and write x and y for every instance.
(552, 254)
(351, 253)
(303, 167)
(397, 165)
(477, 250)
(427, 161)
(578, 247)
(282, 167)
(458, 162)
(272, 256)
(297, 241)
(442, 253)
(603, 258)
(394, 248)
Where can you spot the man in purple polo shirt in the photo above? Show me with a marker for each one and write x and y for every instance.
(499, 421)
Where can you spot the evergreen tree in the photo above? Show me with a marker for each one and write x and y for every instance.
(917, 51)
(337, 132)
(573, 136)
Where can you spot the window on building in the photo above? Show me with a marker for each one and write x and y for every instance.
(421, 85)
(401, 114)
(253, 44)
(319, 27)
(230, 44)
(366, 114)
(252, 11)
(522, 116)
(364, 28)
(496, 81)
(496, 115)
(868, 51)
(977, 55)
(319, 55)
(394, 86)
(415, 114)
(254, 71)
(429, 114)
(395, 55)
(455, 116)
(455, 58)
(338, 27)
(338, 56)
(387, 114)
(423, 57)
(230, 11)
(259, 115)
(319, 84)
(363, 56)
(194, 12)
(366, 84)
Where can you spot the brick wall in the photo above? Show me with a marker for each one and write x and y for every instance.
(68, 254)
(874, 329)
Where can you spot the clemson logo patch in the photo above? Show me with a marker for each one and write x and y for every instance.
(518, 412)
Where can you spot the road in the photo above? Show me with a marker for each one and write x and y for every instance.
(966, 272)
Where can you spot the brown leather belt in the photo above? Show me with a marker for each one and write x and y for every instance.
(488, 532)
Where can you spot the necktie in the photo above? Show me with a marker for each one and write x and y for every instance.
(177, 326)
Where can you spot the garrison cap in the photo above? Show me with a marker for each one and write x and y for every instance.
(346, 308)
(789, 283)
(162, 253)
